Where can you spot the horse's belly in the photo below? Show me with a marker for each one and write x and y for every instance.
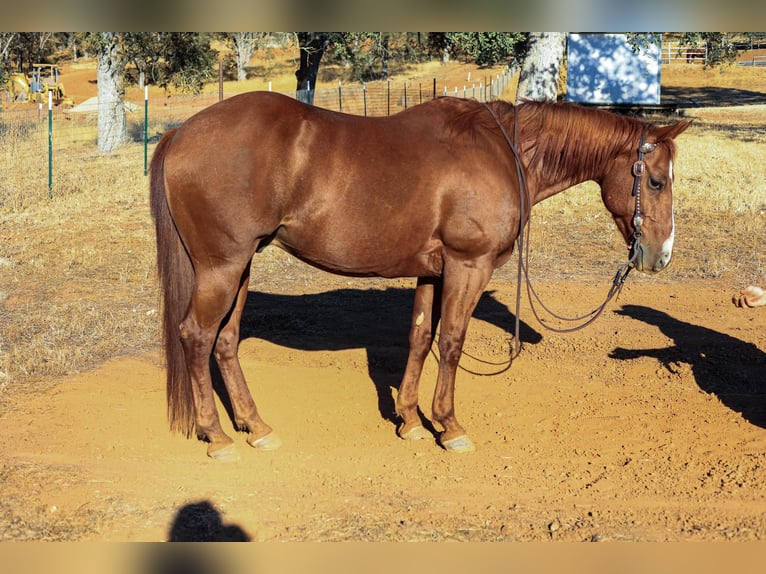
(351, 256)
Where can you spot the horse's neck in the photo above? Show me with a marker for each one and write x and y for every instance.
(561, 151)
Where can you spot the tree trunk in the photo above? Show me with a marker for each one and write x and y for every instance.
(112, 124)
(540, 70)
(244, 46)
(312, 46)
(384, 41)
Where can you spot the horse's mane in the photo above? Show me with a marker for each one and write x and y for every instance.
(570, 139)
(565, 139)
(467, 118)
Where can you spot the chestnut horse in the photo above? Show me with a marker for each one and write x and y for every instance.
(432, 192)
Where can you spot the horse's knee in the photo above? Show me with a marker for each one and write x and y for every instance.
(226, 346)
(450, 349)
(420, 342)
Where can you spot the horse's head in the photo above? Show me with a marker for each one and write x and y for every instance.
(638, 191)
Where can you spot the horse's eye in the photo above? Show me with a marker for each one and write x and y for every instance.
(656, 184)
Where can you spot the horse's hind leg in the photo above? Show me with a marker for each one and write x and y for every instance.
(245, 412)
(425, 317)
(214, 292)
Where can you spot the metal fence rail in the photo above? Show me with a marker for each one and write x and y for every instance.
(675, 53)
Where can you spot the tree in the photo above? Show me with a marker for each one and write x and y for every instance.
(541, 66)
(6, 42)
(312, 46)
(244, 45)
(720, 50)
(144, 51)
(112, 123)
(368, 54)
(484, 48)
(188, 60)
(184, 60)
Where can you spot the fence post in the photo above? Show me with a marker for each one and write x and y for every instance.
(146, 129)
(388, 98)
(340, 97)
(364, 97)
(220, 80)
(405, 95)
(50, 144)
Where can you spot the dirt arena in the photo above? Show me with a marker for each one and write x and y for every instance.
(648, 425)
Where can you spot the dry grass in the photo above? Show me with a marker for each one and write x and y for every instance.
(77, 283)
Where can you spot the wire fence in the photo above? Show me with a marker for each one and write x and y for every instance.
(40, 148)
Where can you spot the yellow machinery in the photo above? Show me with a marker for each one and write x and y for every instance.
(34, 88)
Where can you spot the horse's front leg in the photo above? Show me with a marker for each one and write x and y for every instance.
(425, 317)
(463, 285)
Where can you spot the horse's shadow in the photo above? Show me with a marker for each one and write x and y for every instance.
(733, 370)
(373, 319)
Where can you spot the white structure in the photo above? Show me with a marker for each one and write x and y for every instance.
(604, 69)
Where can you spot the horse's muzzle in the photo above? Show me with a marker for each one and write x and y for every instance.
(649, 261)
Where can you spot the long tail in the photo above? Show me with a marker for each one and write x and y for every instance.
(176, 276)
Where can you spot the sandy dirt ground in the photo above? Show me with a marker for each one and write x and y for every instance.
(649, 425)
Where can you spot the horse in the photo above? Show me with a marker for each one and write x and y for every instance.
(439, 192)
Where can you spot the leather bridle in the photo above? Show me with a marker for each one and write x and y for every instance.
(638, 171)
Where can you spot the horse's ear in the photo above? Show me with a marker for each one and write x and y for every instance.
(672, 131)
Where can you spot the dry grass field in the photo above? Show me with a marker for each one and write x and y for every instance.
(650, 425)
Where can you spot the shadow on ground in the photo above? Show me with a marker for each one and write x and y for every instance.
(733, 370)
(371, 319)
(704, 96)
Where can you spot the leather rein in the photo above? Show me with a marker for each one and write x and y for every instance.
(522, 241)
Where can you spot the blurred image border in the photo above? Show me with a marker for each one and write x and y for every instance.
(394, 15)
(380, 558)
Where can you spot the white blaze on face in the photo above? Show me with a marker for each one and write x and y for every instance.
(667, 246)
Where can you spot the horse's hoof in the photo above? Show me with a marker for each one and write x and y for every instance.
(228, 453)
(269, 442)
(415, 433)
(459, 444)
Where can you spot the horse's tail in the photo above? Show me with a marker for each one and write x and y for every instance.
(176, 276)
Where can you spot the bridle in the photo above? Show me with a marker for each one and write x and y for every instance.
(639, 168)
(638, 171)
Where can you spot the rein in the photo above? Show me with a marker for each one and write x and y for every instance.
(638, 170)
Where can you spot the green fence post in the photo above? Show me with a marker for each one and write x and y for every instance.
(50, 144)
(146, 129)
